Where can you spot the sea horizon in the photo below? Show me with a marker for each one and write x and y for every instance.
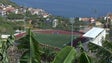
(70, 8)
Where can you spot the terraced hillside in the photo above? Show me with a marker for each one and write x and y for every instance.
(8, 2)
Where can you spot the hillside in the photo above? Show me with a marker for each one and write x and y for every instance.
(8, 2)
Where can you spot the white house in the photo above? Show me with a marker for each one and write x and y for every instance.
(4, 36)
(55, 23)
(96, 35)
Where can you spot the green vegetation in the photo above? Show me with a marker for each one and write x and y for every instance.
(5, 26)
(57, 40)
(47, 54)
(4, 48)
(102, 53)
(69, 55)
(66, 55)
(33, 50)
(32, 53)
(8, 2)
(31, 45)
(9, 27)
(13, 16)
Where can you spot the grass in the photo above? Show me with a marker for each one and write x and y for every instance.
(56, 40)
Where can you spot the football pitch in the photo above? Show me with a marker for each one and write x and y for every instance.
(56, 40)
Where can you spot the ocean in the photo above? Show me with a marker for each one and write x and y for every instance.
(71, 8)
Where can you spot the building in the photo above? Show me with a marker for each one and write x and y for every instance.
(4, 36)
(96, 35)
(55, 23)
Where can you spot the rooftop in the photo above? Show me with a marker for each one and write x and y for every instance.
(93, 32)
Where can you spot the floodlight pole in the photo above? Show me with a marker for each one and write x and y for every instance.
(71, 34)
(24, 22)
(72, 22)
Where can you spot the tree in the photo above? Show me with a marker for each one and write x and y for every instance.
(15, 16)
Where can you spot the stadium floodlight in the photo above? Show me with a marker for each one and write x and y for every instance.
(72, 21)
